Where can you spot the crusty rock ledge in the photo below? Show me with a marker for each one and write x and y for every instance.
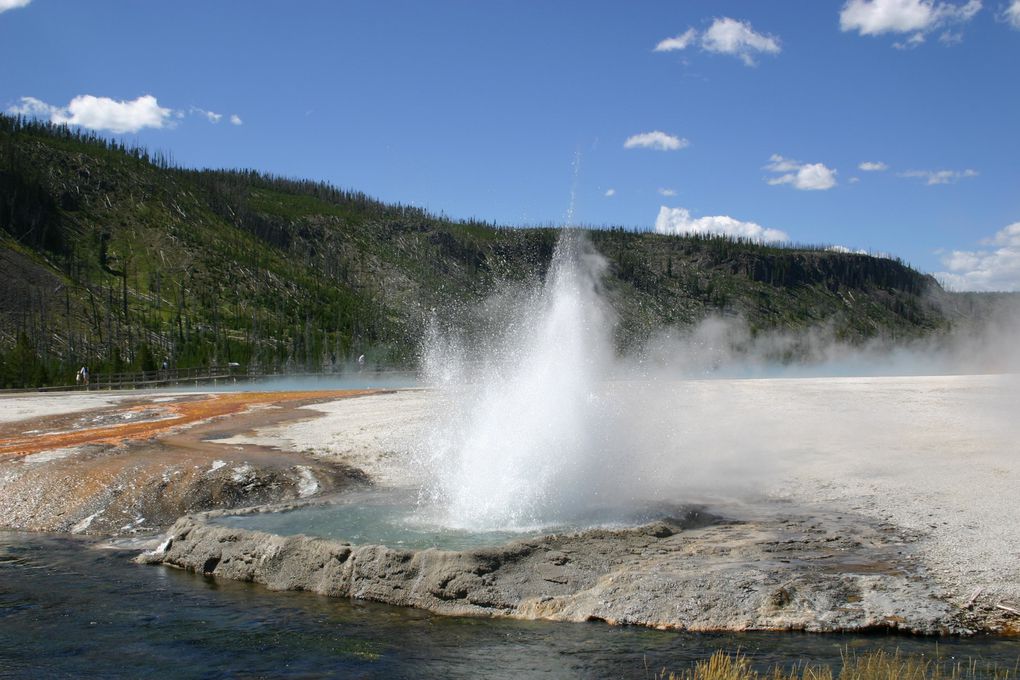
(696, 572)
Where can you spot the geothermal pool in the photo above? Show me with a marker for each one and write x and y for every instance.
(371, 518)
(393, 518)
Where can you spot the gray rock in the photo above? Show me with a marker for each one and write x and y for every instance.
(695, 573)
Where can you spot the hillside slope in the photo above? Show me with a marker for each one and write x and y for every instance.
(114, 258)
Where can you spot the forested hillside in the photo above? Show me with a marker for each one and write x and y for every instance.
(114, 258)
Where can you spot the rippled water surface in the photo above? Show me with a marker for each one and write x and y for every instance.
(71, 609)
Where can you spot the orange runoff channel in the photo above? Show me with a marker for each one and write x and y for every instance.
(181, 413)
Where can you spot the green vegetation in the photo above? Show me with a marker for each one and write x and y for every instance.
(113, 258)
(878, 665)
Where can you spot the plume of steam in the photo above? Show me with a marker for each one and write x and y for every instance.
(519, 426)
(540, 423)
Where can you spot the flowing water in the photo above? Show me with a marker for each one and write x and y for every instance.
(68, 609)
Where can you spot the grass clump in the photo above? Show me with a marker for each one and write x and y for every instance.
(878, 665)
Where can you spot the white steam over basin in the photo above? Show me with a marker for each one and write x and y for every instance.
(539, 420)
(394, 519)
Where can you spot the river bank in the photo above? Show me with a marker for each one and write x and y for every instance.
(70, 607)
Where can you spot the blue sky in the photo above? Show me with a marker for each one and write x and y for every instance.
(736, 117)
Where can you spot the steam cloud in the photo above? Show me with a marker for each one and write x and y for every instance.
(540, 423)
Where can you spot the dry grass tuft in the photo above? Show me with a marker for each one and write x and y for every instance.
(879, 665)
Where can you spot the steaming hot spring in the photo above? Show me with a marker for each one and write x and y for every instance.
(533, 427)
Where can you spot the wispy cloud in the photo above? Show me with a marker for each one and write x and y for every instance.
(990, 269)
(803, 176)
(610, 192)
(932, 177)
(663, 191)
(1012, 14)
(656, 139)
(873, 166)
(236, 119)
(915, 40)
(32, 107)
(679, 221)
(211, 116)
(725, 36)
(12, 4)
(680, 42)
(915, 17)
(949, 38)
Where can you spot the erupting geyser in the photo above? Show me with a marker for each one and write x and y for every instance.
(523, 439)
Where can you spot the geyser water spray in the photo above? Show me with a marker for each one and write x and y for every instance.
(523, 425)
(539, 424)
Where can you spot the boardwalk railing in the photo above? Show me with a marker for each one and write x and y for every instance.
(226, 374)
(166, 377)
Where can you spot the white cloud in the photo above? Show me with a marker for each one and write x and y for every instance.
(1012, 14)
(932, 177)
(844, 249)
(34, 108)
(725, 36)
(236, 119)
(804, 176)
(655, 139)
(12, 4)
(100, 113)
(854, 180)
(666, 192)
(917, 17)
(872, 166)
(779, 164)
(729, 36)
(1007, 236)
(986, 270)
(103, 113)
(679, 221)
(875, 17)
(610, 192)
(681, 41)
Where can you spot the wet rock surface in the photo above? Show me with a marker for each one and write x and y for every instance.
(697, 572)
